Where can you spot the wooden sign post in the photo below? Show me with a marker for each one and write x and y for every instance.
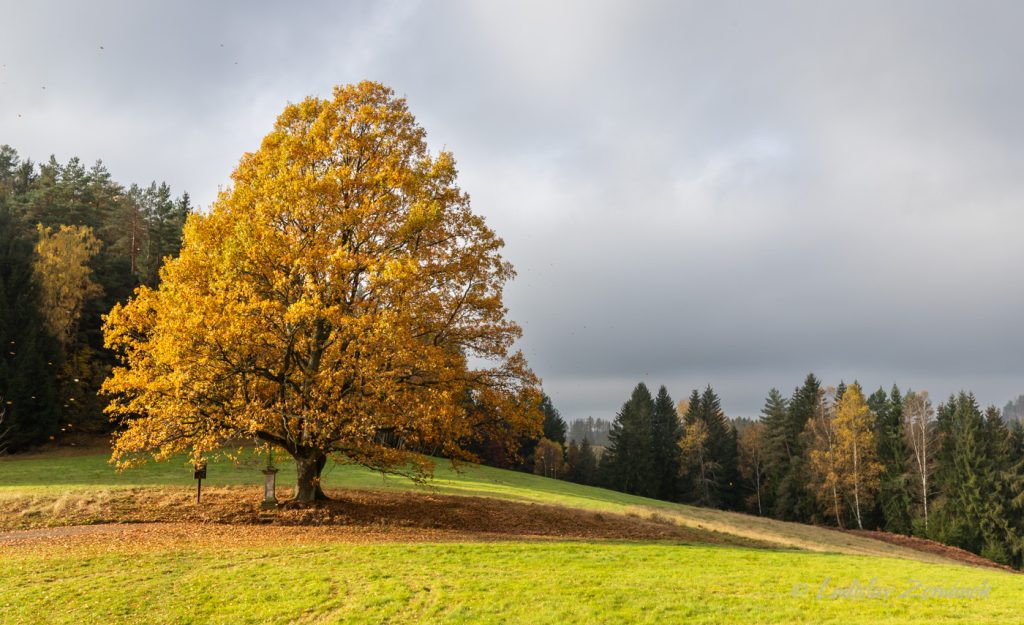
(199, 474)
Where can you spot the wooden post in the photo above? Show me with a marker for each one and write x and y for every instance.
(199, 473)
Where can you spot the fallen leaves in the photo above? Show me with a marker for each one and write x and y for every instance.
(147, 518)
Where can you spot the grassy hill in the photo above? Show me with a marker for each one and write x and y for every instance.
(207, 573)
(42, 478)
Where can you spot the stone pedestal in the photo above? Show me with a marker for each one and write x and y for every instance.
(269, 489)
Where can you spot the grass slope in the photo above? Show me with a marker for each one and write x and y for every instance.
(29, 477)
(306, 580)
(514, 582)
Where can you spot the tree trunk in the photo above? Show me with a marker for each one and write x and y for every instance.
(308, 467)
(856, 505)
(757, 485)
(856, 482)
(924, 498)
(835, 500)
(924, 475)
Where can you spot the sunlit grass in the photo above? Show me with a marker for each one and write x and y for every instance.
(535, 583)
(506, 582)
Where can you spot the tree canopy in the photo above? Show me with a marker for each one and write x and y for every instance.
(340, 297)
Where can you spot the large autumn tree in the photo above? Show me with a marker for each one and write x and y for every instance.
(341, 297)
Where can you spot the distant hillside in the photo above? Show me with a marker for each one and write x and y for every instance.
(591, 429)
(1014, 409)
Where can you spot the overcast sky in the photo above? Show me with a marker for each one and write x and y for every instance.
(712, 193)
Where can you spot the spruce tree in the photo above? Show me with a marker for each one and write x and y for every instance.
(778, 452)
(692, 486)
(722, 490)
(626, 465)
(966, 477)
(584, 464)
(723, 449)
(1003, 524)
(554, 424)
(164, 219)
(895, 497)
(665, 435)
(793, 500)
(16, 176)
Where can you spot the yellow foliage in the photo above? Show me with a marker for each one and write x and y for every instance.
(332, 301)
(858, 466)
(62, 270)
(843, 460)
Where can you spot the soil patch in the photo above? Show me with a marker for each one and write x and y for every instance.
(398, 515)
(930, 546)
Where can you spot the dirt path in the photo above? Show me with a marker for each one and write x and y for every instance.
(53, 533)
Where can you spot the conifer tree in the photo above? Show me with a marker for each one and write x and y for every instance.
(778, 451)
(665, 435)
(719, 450)
(895, 498)
(16, 176)
(1003, 517)
(793, 501)
(554, 424)
(164, 219)
(723, 448)
(29, 360)
(69, 197)
(627, 462)
(964, 475)
(583, 462)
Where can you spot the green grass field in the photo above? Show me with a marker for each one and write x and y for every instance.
(512, 581)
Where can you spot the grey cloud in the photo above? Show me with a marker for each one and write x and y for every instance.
(693, 193)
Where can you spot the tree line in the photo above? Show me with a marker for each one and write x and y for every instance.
(73, 243)
(890, 460)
